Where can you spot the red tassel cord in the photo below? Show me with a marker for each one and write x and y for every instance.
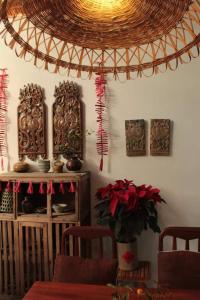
(41, 188)
(62, 189)
(3, 117)
(72, 188)
(30, 188)
(50, 189)
(102, 135)
(8, 187)
(0, 187)
(17, 187)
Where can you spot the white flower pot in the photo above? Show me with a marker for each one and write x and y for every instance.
(127, 255)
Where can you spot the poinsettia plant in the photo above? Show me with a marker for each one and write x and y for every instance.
(128, 209)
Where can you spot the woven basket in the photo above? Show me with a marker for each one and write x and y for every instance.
(6, 202)
(124, 36)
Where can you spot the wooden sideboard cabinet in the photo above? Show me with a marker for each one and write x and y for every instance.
(30, 228)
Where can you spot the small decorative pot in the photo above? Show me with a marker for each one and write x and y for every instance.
(74, 164)
(21, 167)
(27, 206)
(44, 165)
(58, 167)
(127, 255)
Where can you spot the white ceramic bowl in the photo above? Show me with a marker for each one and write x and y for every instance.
(60, 208)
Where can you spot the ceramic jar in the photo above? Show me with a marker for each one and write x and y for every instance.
(21, 167)
(58, 167)
(44, 165)
(74, 164)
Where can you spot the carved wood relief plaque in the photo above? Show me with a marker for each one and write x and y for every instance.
(31, 122)
(135, 137)
(67, 119)
(160, 137)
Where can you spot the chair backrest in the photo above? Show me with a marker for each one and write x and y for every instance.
(184, 233)
(76, 263)
(179, 268)
(82, 237)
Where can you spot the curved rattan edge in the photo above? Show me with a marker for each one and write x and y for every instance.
(91, 69)
(38, 55)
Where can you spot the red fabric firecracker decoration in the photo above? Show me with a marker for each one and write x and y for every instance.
(3, 117)
(102, 135)
(8, 187)
(72, 188)
(17, 187)
(62, 189)
(30, 188)
(41, 188)
(50, 189)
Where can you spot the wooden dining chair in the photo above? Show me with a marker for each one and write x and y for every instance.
(78, 265)
(179, 268)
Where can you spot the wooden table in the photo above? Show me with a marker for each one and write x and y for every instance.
(64, 291)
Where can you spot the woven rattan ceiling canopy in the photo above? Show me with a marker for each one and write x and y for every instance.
(125, 36)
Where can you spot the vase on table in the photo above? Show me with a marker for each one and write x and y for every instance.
(127, 255)
(74, 164)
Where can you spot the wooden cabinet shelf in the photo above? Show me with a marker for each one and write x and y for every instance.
(30, 235)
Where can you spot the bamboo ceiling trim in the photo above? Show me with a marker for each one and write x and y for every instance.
(129, 37)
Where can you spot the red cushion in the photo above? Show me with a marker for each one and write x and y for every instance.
(179, 269)
(75, 269)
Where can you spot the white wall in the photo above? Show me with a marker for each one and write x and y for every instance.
(173, 95)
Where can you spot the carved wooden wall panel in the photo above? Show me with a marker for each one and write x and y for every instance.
(67, 119)
(135, 137)
(32, 123)
(160, 137)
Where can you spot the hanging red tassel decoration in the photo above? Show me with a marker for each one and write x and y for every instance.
(62, 189)
(41, 188)
(3, 117)
(8, 187)
(102, 135)
(30, 188)
(17, 187)
(50, 189)
(72, 188)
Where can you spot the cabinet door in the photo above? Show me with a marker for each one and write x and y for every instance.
(34, 253)
(8, 258)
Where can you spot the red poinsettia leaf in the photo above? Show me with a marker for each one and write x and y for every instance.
(113, 205)
(141, 194)
(132, 189)
(128, 256)
(125, 196)
(149, 187)
(155, 190)
(132, 204)
(128, 182)
(142, 187)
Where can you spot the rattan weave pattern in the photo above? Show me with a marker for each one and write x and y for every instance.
(133, 23)
(135, 37)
